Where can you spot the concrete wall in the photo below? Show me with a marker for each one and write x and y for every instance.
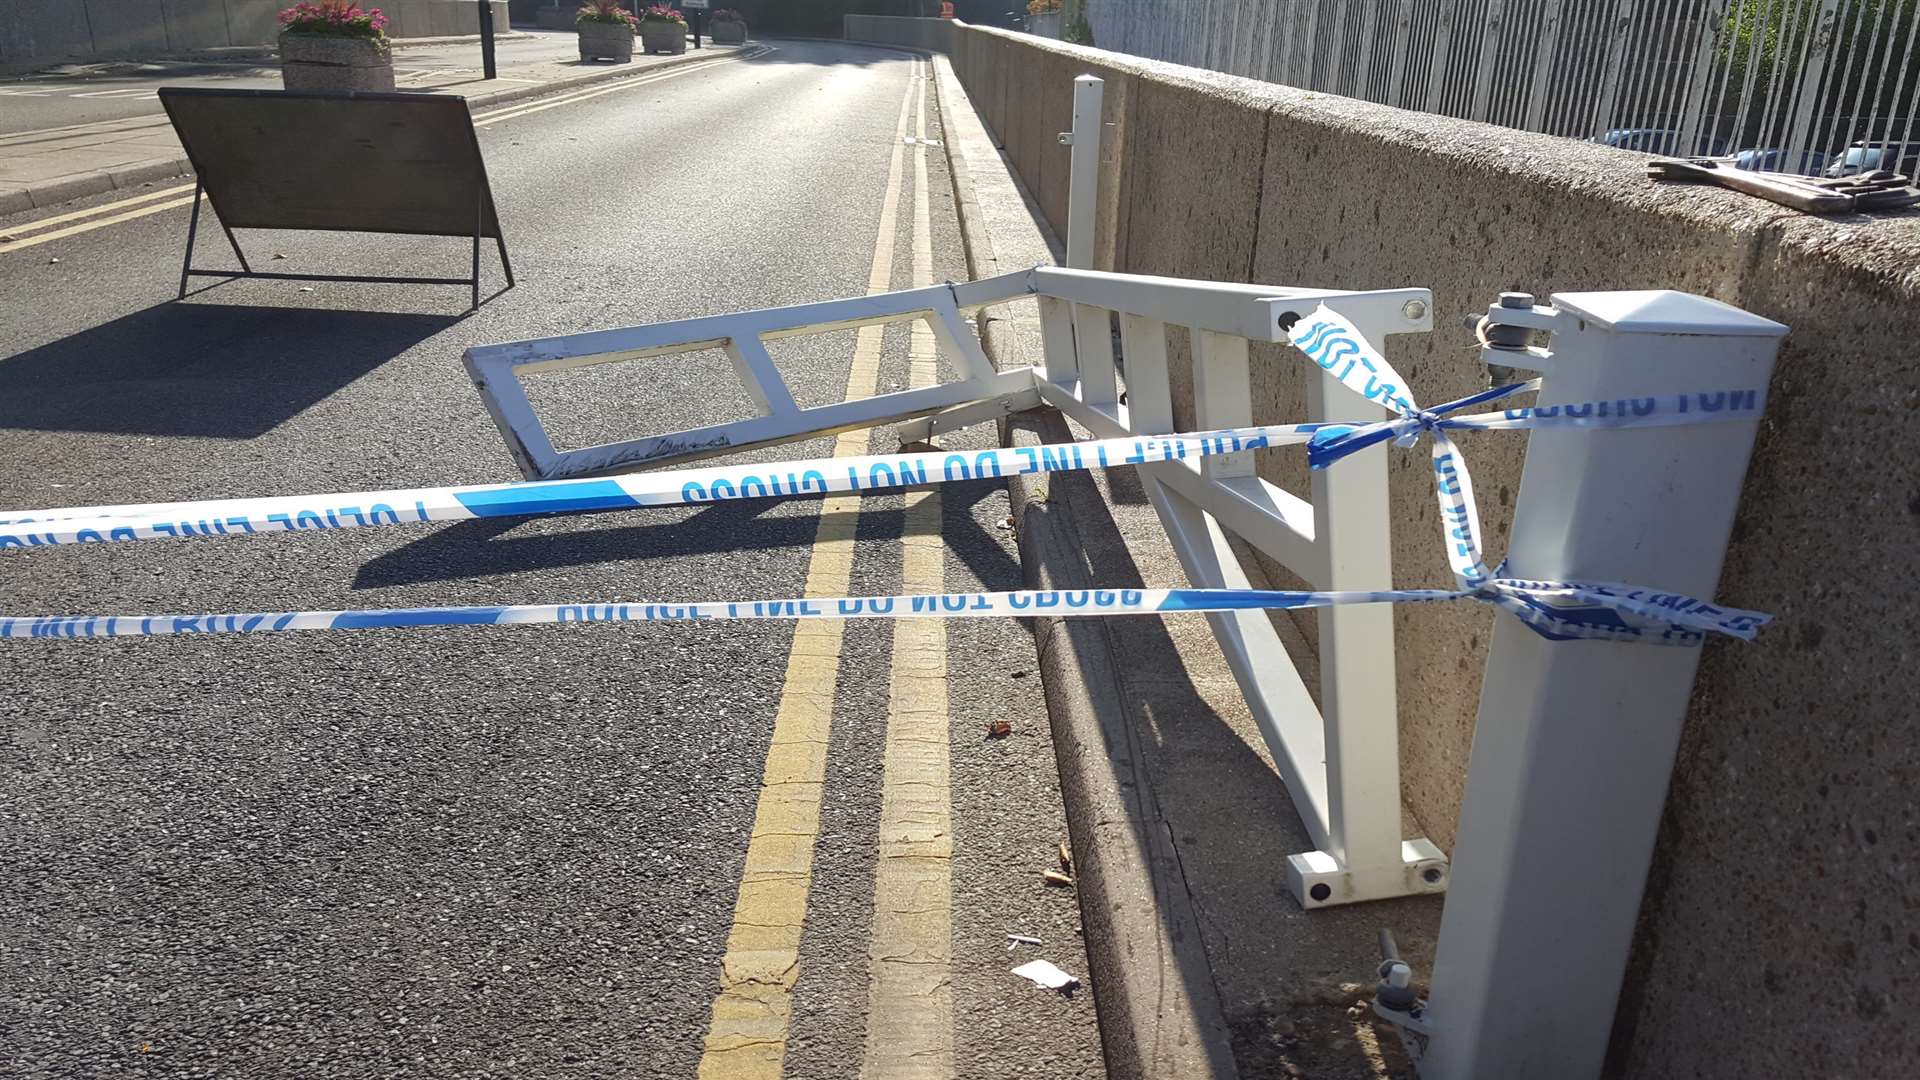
(1779, 933)
(38, 32)
(933, 35)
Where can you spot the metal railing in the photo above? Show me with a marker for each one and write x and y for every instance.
(1807, 86)
(1338, 760)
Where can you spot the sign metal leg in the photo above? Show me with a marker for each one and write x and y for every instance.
(193, 228)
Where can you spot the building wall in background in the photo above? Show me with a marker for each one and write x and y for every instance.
(40, 32)
(933, 35)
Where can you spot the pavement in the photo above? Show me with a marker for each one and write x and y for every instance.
(1207, 965)
(74, 130)
(516, 852)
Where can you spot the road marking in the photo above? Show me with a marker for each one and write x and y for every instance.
(514, 111)
(747, 1036)
(25, 91)
(15, 231)
(116, 126)
(910, 959)
(89, 226)
(127, 93)
(482, 120)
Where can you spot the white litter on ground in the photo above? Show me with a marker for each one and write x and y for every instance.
(1043, 973)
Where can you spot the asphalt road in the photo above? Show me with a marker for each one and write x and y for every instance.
(81, 93)
(480, 852)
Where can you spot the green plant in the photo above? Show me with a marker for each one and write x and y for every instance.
(1767, 45)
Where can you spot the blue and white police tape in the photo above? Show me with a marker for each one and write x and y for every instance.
(1340, 349)
(1555, 609)
(1335, 441)
(822, 476)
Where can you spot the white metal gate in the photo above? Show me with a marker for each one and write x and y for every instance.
(1341, 767)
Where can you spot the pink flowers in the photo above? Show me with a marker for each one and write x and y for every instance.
(605, 11)
(663, 13)
(339, 17)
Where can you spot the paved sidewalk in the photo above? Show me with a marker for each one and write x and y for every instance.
(56, 164)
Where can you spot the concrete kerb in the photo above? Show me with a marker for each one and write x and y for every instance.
(40, 195)
(1160, 1012)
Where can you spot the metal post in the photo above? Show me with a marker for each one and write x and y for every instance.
(479, 227)
(486, 38)
(1538, 88)
(1435, 101)
(1402, 22)
(193, 228)
(1358, 691)
(1083, 185)
(1712, 36)
(696, 26)
(234, 243)
(1575, 740)
(1815, 58)
(1492, 31)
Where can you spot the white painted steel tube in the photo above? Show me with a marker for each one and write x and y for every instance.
(1083, 185)
(1575, 741)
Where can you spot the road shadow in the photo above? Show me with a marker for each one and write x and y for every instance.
(468, 550)
(201, 370)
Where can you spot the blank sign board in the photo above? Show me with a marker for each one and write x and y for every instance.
(382, 163)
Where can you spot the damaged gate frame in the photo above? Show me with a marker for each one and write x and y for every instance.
(496, 371)
(1341, 762)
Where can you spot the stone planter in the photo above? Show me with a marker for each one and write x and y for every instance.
(662, 36)
(328, 62)
(605, 41)
(729, 33)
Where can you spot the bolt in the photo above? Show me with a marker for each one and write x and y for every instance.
(1432, 875)
(1414, 310)
(1506, 336)
(1288, 318)
(1320, 891)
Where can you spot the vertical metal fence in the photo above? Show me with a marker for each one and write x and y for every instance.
(1806, 86)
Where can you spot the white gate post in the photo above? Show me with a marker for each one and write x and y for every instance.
(1083, 178)
(1575, 740)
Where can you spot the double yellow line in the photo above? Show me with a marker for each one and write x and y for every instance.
(61, 226)
(747, 1034)
(16, 237)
